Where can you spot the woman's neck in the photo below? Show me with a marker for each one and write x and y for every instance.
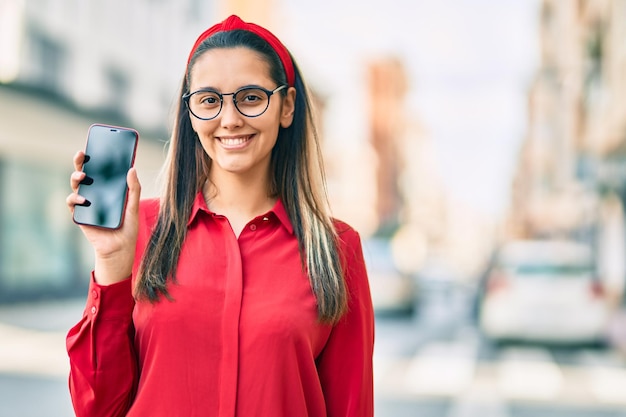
(239, 199)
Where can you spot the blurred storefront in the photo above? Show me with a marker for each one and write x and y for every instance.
(41, 252)
(570, 178)
(53, 86)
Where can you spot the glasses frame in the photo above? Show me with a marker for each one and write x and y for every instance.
(269, 93)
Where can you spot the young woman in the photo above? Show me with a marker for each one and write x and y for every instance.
(235, 293)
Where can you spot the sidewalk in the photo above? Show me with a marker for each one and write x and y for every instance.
(33, 362)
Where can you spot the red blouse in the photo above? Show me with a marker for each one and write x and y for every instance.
(240, 338)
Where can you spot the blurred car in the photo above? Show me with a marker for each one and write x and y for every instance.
(393, 292)
(544, 291)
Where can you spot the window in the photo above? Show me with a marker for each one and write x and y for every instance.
(38, 249)
(48, 60)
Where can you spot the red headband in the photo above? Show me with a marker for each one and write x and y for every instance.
(235, 23)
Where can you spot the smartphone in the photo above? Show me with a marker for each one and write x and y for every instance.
(111, 151)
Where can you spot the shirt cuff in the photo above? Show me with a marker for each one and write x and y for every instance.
(114, 301)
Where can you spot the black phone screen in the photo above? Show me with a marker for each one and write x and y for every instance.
(111, 152)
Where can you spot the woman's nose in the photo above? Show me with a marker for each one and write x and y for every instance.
(230, 116)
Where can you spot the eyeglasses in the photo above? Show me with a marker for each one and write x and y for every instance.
(206, 104)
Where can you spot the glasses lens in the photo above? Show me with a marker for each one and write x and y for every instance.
(252, 102)
(205, 104)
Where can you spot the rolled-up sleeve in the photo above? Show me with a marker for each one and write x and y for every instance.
(103, 371)
(345, 365)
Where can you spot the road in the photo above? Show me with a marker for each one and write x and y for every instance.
(33, 361)
(432, 364)
(436, 364)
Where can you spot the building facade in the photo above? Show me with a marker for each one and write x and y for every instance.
(571, 176)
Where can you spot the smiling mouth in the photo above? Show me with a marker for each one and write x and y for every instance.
(238, 141)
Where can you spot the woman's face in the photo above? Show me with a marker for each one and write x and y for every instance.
(238, 144)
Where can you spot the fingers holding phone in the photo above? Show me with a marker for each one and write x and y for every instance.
(105, 198)
(76, 178)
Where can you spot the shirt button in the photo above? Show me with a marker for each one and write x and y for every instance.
(253, 227)
(94, 293)
(93, 310)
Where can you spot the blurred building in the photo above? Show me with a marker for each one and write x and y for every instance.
(120, 58)
(428, 231)
(571, 177)
(387, 89)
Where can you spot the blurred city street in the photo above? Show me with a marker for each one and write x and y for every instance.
(437, 364)
(479, 149)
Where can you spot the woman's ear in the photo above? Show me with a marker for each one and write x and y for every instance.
(289, 105)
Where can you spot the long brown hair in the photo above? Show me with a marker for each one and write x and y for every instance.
(297, 177)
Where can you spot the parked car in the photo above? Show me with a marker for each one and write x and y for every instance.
(544, 291)
(393, 292)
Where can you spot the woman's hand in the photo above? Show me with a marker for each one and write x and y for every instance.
(114, 249)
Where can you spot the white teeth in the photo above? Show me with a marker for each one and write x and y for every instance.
(234, 141)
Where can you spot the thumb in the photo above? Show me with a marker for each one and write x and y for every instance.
(134, 191)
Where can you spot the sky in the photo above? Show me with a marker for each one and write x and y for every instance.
(470, 63)
(473, 94)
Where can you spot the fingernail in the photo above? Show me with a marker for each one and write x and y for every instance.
(87, 158)
(85, 203)
(87, 180)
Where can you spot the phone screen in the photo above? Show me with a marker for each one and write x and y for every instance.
(111, 152)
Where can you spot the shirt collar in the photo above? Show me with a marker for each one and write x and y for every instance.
(278, 210)
(199, 205)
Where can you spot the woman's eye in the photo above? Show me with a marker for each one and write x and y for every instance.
(251, 98)
(208, 100)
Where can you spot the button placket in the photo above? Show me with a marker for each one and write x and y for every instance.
(94, 305)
